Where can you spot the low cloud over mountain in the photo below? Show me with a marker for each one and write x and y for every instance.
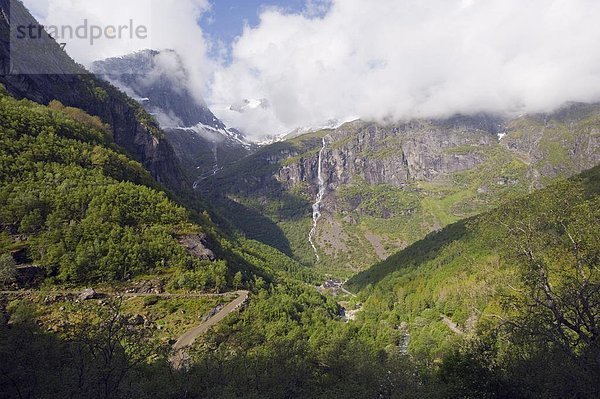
(344, 59)
(405, 59)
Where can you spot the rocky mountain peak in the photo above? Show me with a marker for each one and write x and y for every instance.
(158, 80)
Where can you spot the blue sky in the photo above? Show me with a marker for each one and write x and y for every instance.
(226, 19)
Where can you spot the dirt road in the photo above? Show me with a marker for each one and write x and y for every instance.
(121, 294)
(180, 359)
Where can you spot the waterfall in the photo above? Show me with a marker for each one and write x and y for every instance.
(317, 205)
(216, 169)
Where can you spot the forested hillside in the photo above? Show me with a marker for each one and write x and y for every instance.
(85, 212)
(81, 207)
(521, 284)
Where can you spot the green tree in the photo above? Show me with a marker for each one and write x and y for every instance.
(8, 269)
(555, 242)
(237, 280)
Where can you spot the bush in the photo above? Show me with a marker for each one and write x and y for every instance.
(8, 269)
(151, 300)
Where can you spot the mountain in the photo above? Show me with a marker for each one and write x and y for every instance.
(82, 161)
(383, 187)
(493, 290)
(158, 80)
(39, 70)
(74, 204)
(519, 279)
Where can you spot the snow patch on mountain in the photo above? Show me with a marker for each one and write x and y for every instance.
(215, 134)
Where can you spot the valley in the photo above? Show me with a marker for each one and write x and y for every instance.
(386, 187)
(148, 249)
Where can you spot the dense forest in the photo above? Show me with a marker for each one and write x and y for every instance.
(83, 209)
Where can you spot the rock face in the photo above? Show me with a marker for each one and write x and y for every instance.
(197, 245)
(390, 185)
(431, 150)
(158, 80)
(133, 129)
(88, 294)
(558, 144)
(394, 155)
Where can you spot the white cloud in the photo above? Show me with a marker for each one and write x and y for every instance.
(170, 24)
(341, 59)
(409, 58)
(39, 8)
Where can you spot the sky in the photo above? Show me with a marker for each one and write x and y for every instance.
(226, 19)
(318, 60)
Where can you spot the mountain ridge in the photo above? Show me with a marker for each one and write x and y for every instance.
(134, 130)
(158, 80)
(389, 185)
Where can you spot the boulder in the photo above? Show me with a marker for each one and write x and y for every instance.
(88, 294)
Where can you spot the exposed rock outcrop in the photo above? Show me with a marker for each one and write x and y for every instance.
(388, 185)
(397, 155)
(88, 294)
(198, 245)
(155, 286)
(429, 150)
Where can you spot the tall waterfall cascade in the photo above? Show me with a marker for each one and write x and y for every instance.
(317, 205)
(215, 169)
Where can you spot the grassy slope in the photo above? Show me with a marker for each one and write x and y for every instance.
(457, 272)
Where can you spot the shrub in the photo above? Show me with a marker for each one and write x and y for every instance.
(8, 269)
